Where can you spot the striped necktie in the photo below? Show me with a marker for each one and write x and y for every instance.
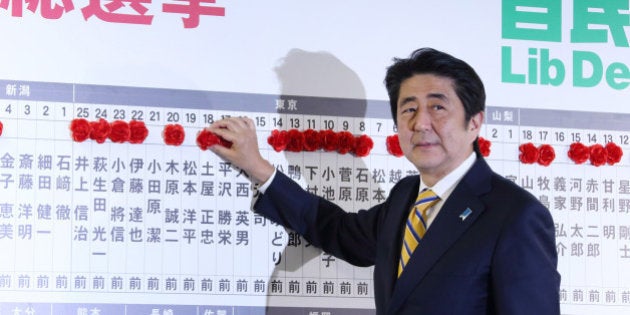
(416, 226)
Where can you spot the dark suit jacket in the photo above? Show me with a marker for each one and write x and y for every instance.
(500, 259)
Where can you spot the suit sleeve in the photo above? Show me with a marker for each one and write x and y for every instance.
(524, 270)
(349, 236)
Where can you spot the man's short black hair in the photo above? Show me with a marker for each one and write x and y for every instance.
(468, 85)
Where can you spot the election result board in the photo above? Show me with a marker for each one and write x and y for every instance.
(169, 228)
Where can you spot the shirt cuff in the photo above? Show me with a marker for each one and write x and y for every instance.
(263, 187)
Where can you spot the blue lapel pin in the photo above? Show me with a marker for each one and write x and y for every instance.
(465, 214)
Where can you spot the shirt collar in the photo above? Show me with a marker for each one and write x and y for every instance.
(446, 184)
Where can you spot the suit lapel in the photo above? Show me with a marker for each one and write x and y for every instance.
(398, 211)
(458, 213)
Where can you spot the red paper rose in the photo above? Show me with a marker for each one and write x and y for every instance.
(2, 127)
(206, 139)
(578, 152)
(393, 145)
(614, 153)
(330, 140)
(119, 131)
(278, 140)
(598, 155)
(529, 153)
(138, 132)
(79, 128)
(346, 142)
(296, 141)
(312, 140)
(363, 145)
(484, 146)
(99, 130)
(546, 155)
(173, 134)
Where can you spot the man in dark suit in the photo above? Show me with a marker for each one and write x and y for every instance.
(483, 245)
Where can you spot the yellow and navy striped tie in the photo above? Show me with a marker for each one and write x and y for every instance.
(416, 226)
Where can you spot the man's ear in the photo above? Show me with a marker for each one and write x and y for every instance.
(476, 121)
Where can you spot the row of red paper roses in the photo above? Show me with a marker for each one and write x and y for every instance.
(530, 154)
(311, 140)
(578, 152)
(598, 154)
(118, 131)
(135, 131)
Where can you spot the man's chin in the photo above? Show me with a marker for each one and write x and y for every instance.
(424, 164)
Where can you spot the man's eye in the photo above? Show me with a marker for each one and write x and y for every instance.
(437, 107)
(408, 110)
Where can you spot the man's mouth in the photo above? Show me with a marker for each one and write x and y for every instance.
(424, 144)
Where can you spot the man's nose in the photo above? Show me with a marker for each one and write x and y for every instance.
(421, 120)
